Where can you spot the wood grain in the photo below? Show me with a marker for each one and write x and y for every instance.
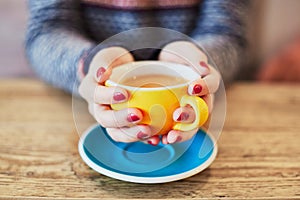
(259, 149)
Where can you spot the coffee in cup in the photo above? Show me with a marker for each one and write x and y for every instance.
(157, 89)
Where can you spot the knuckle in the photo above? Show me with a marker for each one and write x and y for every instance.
(96, 97)
(143, 128)
(82, 92)
(108, 118)
(101, 120)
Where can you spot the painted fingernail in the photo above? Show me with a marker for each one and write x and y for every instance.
(132, 117)
(100, 71)
(179, 138)
(165, 140)
(197, 89)
(142, 135)
(118, 96)
(151, 143)
(183, 116)
(203, 64)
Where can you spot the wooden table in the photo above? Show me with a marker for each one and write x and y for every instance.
(259, 149)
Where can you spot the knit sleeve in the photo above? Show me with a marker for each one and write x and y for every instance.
(55, 41)
(221, 30)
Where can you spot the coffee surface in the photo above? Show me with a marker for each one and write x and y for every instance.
(152, 81)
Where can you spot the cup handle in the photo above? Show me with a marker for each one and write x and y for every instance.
(201, 113)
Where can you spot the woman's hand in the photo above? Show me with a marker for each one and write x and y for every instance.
(189, 54)
(120, 125)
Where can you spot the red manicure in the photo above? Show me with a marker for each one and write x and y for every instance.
(100, 71)
(118, 96)
(203, 64)
(197, 89)
(183, 116)
(142, 135)
(150, 142)
(132, 117)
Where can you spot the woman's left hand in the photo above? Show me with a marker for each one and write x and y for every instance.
(187, 53)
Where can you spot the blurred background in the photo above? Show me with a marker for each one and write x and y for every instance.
(277, 22)
(13, 17)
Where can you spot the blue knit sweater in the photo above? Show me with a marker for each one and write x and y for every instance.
(60, 31)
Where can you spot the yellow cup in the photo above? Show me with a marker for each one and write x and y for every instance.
(158, 103)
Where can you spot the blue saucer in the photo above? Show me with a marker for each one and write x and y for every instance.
(143, 163)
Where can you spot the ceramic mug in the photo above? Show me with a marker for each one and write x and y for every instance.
(158, 103)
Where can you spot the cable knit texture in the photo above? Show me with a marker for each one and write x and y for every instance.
(60, 31)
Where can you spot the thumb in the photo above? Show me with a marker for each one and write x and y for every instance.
(105, 60)
(186, 53)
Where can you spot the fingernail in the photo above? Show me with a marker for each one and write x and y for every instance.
(142, 135)
(165, 141)
(150, 142)
(203, 64)
(118, 96)
(100, 71)
(179, 138)
(197, 89)
(132, 117)
(183, 116)
(172, 139)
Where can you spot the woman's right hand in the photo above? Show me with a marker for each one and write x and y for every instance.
(120, 125)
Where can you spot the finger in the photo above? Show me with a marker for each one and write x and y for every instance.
(86, 89)
(198, 88)
(102, 74)
(154, 140)
(91, 109)
(184, 114)
(197, 61)
(103, 62)
(175, 136)
(110, 95)
(164, 139)
(205, 85)
(184, 52)
(209, 100)
(115, 119)
(129, 134)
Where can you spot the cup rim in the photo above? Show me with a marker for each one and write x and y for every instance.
(131, 88)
